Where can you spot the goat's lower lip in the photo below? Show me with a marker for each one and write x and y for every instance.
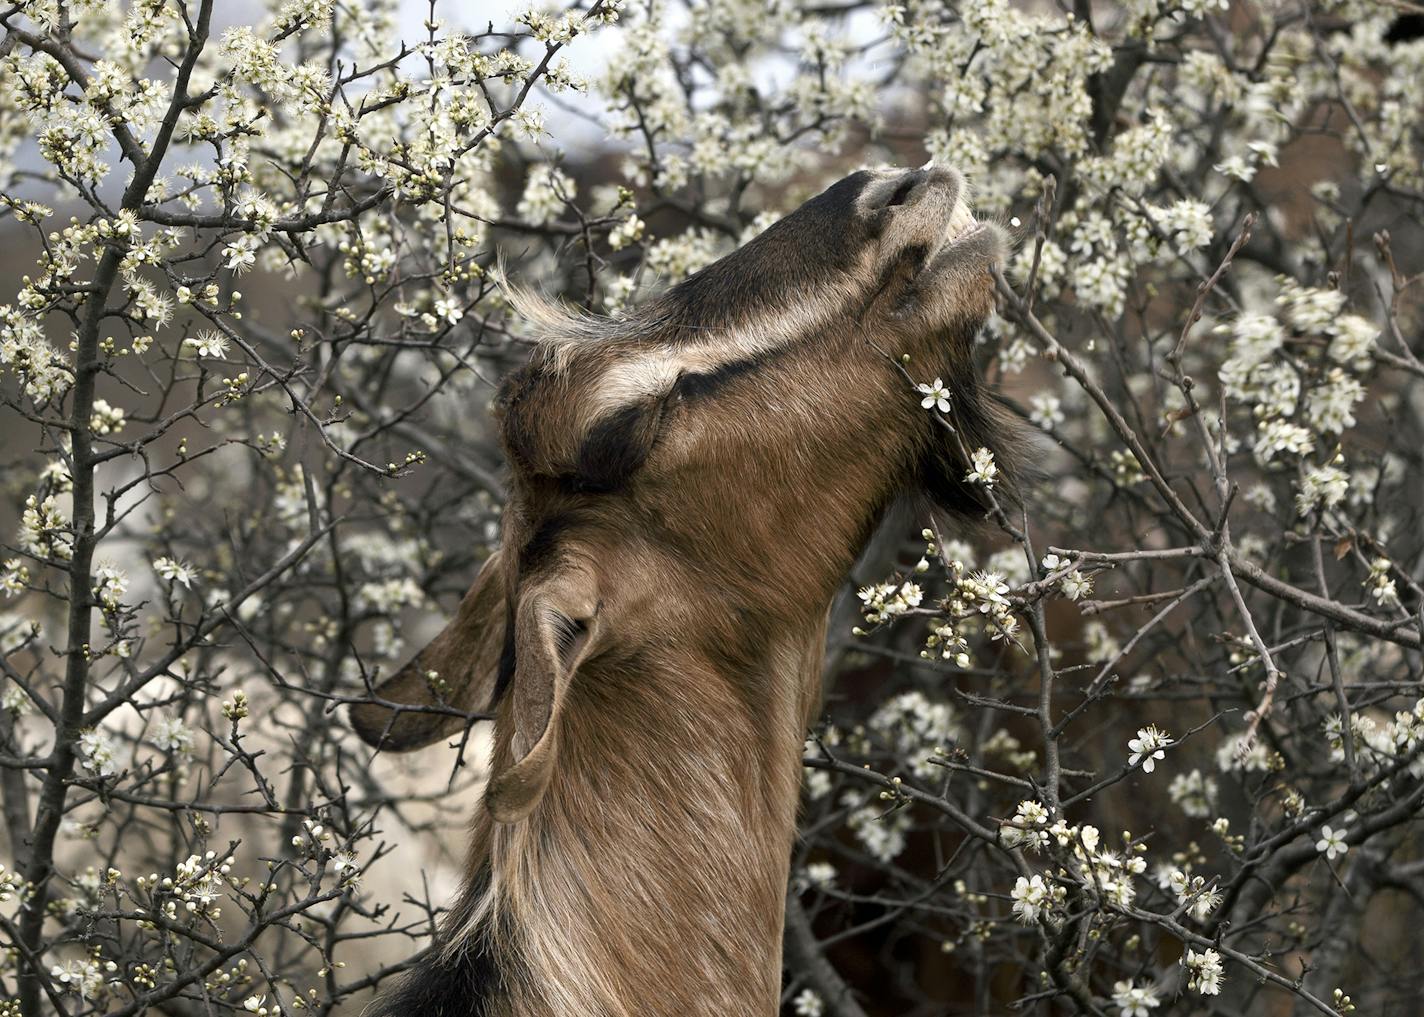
(961, 235)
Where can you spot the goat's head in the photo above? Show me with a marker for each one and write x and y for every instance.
(703, 471)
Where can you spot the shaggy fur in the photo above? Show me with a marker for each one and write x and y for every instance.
(690, 485)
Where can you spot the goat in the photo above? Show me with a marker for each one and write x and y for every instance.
(690, 485)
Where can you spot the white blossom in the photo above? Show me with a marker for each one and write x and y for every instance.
(1331, 843)
(1229, 757)
(83, 976)
(1075, 585)
(1321, 487)
(807, 1004)
(1034, 898)
(936, 396)
(1204, 971)
(110, 585)
(241, 253)
(171, 735)
(1354, 340)
(106, 419)
(883, 601)
(1046, 410)
(448, 309)
(1148, 747)
(1133, 1000)
(625, 232)
(1025, 830)
(208, 343)
(175, 571)
(1278, 436)
(983, 468)
(1195, 793)
(545, 193)
(99, 753)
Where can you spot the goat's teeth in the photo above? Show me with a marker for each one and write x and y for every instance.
(961, 223)
(928, 166)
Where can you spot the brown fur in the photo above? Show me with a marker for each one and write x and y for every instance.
(690, 485)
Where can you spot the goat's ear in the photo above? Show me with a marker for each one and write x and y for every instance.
(465, 661)
(555, 628)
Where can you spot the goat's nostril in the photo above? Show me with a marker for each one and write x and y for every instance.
(902, 192)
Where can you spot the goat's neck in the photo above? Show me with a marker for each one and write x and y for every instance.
(651, 878)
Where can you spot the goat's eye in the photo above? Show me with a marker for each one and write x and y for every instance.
(690, 386)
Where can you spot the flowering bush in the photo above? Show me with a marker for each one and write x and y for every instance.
(1152, 742)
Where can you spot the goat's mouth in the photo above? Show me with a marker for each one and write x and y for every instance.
(931, 216)
(959, 227)
(930, 235)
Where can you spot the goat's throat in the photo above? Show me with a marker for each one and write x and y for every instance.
(656, 862)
